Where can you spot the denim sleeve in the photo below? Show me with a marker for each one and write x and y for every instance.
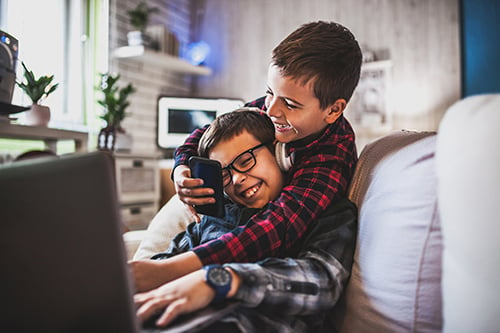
(182, 242)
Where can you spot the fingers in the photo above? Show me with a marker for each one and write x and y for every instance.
(184, 295)
(152, 303)
(196, 196)
(150, 306)
(171, 312)
(189, 189)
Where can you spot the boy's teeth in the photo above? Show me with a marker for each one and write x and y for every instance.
(251, 191)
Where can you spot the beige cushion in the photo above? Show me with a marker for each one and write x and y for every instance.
(395, 284)
(172, 218)
(468, 164)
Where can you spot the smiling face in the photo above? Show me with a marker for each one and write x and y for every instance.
(295, 110)
(256, 187)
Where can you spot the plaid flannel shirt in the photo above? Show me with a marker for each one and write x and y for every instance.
(297, 295)
(320, 175)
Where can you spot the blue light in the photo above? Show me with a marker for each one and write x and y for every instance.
(197, 52)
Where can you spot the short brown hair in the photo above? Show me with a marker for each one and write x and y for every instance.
(231, 124)
(326, 52)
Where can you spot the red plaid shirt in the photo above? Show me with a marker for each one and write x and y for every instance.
(320, 175)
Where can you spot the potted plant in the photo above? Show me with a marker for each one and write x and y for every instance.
(139, 19)
(114, 101)
(37, 89)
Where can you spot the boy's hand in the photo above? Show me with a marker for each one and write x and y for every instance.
(188, 189)
(184, 295)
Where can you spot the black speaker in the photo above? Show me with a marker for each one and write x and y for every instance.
(8, 61)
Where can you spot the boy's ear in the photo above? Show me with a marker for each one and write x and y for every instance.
(335, 110)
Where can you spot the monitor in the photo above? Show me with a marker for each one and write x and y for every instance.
(179, 116)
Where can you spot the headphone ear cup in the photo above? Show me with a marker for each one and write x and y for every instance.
(282, 158)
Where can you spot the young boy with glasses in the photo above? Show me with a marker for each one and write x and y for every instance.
(243, 142)
(312, 76)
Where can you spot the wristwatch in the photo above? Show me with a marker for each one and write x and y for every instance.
(218, 278)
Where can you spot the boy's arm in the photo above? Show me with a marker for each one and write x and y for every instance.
(312, 282)
(182, 242)
(190, 146)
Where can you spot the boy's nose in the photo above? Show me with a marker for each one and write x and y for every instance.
(273, 109)
(239, 177)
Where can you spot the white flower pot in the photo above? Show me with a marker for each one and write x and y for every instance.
(37, 115)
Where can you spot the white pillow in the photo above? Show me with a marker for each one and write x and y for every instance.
(172, 218)
(395, 284)
(468, 164)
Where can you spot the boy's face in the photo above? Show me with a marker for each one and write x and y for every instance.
(256, 187)
(294, 109)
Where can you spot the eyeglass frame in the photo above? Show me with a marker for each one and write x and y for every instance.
(230, 166)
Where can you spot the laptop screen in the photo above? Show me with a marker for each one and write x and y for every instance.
(64, 263)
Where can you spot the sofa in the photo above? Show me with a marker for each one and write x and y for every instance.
(428, 245)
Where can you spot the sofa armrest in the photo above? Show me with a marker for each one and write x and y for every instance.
(467, 159)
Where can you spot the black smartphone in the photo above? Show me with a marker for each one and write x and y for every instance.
(211, 173)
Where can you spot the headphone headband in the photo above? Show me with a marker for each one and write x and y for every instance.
(283, 158)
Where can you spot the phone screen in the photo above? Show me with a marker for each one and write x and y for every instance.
(211, 173)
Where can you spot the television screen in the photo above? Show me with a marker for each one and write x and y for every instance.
(186, 121)
(180, 116)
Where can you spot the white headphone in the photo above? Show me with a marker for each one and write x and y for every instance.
(283, 158)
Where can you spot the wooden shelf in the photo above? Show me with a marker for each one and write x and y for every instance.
(49, 135)
(159, 60)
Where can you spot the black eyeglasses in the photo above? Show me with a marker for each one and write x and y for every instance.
(244, 162)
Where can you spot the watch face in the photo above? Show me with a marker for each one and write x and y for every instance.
(219, 276)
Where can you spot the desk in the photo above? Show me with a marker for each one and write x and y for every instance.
(49, 135)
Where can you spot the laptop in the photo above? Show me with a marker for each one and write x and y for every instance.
(63, 259)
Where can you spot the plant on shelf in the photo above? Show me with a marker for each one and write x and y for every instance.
(114, 101)
(139, 19)
(37, 89)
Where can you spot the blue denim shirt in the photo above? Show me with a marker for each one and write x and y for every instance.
(208, 229)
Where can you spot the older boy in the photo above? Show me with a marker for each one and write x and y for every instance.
(311, 78)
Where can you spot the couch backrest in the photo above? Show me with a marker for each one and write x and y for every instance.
(395, 284)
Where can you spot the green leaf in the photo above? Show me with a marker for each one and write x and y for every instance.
(114, 99)
(36, 89)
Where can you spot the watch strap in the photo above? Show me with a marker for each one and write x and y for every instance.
(219, 279)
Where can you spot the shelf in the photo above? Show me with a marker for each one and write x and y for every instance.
(168, 62)
(376, 65)
(49, 135)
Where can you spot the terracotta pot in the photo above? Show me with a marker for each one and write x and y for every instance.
(37, 115)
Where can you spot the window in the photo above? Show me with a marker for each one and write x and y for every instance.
(65, 38)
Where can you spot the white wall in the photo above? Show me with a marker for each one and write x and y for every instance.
(150, 82)
(421, 37)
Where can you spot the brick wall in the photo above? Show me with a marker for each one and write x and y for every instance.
(150, 82)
